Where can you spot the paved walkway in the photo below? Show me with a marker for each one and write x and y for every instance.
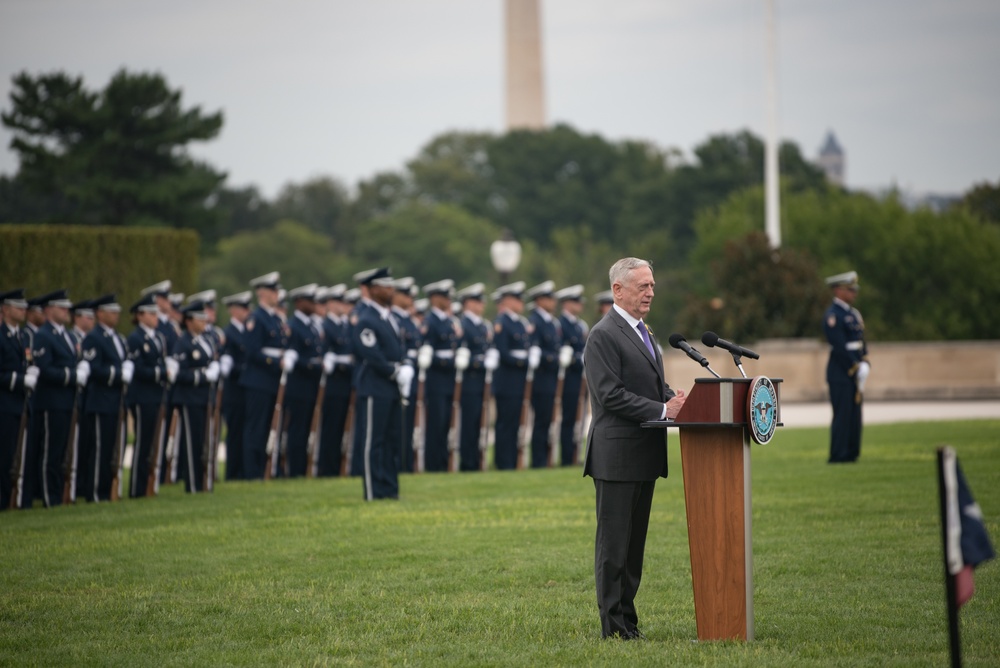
(880, 412)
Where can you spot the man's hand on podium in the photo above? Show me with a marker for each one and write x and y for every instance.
(675, 404)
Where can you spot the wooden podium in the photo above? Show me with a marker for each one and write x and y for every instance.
(715, 457)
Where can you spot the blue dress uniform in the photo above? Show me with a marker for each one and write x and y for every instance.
(233, 395)
(306, 339)
(845, 331)
(574, 335)
(265, 341)
(547, 336)
(55, 356)
(442, 333)
(146, 394)
(105, 351)
(510, 338)
(477, 335)
(194, 354)
(379, 354)
(411, 339)
(13, 364)
(336, 400)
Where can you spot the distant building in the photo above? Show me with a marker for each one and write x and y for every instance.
(525, 82)
(831, 160)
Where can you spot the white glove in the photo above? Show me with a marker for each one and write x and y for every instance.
(173, 366)
(82, 372)
(864, 368)
(424, 356)
(288, 360)
(404, 376)
(31, 377)
(462, 356)
(226, 365)
(344, 360)
(128, 370)
(534, 357)
(565, 356)
(492, 359)
(329, 361)
(212, 372)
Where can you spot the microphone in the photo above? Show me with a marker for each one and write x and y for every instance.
(679, 342)
(711, 339)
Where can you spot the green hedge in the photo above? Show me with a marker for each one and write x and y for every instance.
(92, 261)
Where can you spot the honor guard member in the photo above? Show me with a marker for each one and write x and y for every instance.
(442, 333)
(604, 301)
(31, 486)
(17, 378)
(546, 337)
(106, 351)
(477, 336)
(82, 315)
(574, 335)
(266, 340)
(164, 322)
(420, 307)
(510, 337)
(307, 344)
(384, 378)
(197, 372)
(412, 339)
(848, 367)
(361, 302)
(336, 400)
(147, 392)
(61, 379)
(231, 363)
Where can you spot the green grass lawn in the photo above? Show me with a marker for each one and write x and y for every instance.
(497, 569)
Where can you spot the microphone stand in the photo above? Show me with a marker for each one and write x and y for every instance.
(738, 360)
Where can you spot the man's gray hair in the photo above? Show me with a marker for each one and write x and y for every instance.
(620, 269)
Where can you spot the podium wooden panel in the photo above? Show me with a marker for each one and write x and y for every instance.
(715, 458)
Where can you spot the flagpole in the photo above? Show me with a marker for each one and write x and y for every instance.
(772, 207)
(951, 599)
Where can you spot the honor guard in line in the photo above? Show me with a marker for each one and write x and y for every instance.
(442, 333)
(574, 335)
(511, 339)
(215, 336)
(82, 316)
(546, 335)
(61, 380)
(477, 336)
(147, 398)
(336, 400)
(306, 341)
(231, 363)
(18, 377)
(603, 301)
(197, 373)
(848, 367)
(383, 379)
(164, 324)
(103, 421)
(266, 340)
(412, 339)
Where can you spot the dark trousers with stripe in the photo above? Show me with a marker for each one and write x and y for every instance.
(845, 429)
(191, 439)
(542, 404)
(51, 434)
(97, 445)
(377, 431)
(438, 411)
(260, 408)
(9, 425)
(298, 417)
(235, 414)
(572, 387)
(145, 417)
(507, 424)
(468, 447)
(331, 440)
(622, 521)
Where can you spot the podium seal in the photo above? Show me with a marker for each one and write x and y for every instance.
(762, 409)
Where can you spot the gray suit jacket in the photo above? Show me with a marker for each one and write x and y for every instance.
(626, 388)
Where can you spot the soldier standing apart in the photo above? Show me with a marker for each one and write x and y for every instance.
(384, 377)
(574, 334)
(60, 378)
(111, 371)
(441, 332)
(265, 343)
(231, 364)
(547, 337)
(147, 351)
(847, 369)
(337, 399)
(17, 376)
(477, 335)
(510, 337)
(306, 340)
(409, 332)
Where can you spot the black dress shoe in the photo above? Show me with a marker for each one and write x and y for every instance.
(636, 634)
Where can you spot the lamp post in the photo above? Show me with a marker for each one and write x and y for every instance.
(505, 254)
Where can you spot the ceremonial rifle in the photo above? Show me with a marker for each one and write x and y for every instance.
(484, 422)
(347, 440)
(583, 403)
(217, 433)
(20, 455)
(72, 455)
(555, 426)
(312, 449)
(156, 452)
(455, 431)
(208, 451)
(524, 430)
(118, 454)
(274, 435)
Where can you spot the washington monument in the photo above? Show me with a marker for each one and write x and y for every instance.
(525, 83)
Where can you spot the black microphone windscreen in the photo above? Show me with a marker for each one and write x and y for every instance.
(710, 339)
(675, 339)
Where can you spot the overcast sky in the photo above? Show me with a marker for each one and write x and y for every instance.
(350, 88)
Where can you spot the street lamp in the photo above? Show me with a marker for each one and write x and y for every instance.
(505, 253)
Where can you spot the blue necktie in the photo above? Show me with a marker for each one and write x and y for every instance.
(645, 338)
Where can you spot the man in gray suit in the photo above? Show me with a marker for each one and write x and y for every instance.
(625, 375)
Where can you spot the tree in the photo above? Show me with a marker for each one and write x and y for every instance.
(321, 204)
(119, 156)
(983, 200)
